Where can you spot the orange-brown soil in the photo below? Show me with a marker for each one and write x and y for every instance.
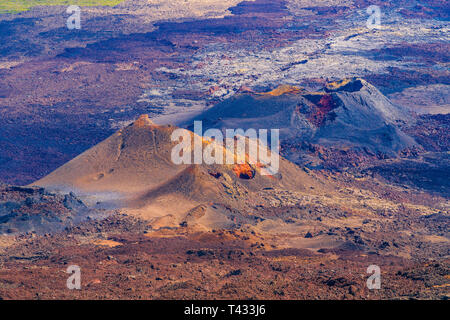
(120, 259)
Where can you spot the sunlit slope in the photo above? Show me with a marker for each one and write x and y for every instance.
(133, 170)
(14, 6)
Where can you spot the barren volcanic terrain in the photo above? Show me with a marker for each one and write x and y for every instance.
(87, 176)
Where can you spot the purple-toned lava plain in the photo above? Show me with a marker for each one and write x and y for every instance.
(64, 91)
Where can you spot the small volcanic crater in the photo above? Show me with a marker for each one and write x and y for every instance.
(321, 111)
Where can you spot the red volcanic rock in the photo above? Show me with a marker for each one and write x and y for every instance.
(321, 110)
(244, 171)
(213, 89)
